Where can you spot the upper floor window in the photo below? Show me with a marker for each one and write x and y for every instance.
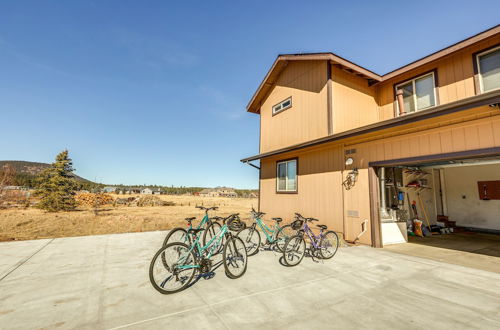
(488, 64)
(282, 106)
(418, 93)
(286, 176)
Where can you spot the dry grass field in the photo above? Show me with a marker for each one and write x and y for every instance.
(32, 223)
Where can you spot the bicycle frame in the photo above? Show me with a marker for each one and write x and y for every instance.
(313, 238)
(270, 233)
(201, 249)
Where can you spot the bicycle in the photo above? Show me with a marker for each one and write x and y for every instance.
(277, 235)
(324, 245)
(180, 234)
(179, 262)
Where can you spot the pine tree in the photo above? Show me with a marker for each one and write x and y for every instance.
(57, 186)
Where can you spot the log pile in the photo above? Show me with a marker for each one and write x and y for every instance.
(153, 201)
(93, 200)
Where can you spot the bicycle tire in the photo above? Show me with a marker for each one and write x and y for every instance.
(175, 231)
(251, 238)
(212, 230)
(237, 249)
(336, 245)
(281, 241)
(162, 252)
(294, 243)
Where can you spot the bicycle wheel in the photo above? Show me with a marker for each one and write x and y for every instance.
(283, 235)
(166, 271)
(329, 244)
(294, 250)
(251, 237)
(212, 230)
(177, 235)
(234, 257)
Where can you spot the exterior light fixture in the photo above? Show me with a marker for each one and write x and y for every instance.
(349, 161)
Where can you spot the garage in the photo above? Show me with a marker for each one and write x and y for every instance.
(450, 204)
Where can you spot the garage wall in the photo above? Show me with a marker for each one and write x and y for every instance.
(471, 211)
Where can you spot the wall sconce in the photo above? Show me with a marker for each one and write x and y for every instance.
(352, 176)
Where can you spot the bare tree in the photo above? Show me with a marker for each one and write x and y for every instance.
(7, 177)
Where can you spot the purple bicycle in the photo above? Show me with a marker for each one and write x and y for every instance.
(323, 246)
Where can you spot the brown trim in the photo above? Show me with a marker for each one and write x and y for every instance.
(296, 191)
(282, 110)
(374, 208)
(329, 95)
(487, 98)
(373, 78)
(443, 52)
(436, 88)
(477, 83)
(476, 153)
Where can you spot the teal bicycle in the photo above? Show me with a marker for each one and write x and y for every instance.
(276, 235)
(210, 223)
(174, 266)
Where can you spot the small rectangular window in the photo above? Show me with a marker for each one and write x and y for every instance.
(418, 93)
(286, 176)
(488, 64)
(282, 106)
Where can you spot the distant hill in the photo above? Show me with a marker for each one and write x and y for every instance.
(31, 168)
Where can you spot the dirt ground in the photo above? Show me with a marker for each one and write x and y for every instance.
(32, 223)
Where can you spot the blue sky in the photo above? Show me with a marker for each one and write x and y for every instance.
(154, 92)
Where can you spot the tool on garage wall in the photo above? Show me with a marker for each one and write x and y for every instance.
(488, 190)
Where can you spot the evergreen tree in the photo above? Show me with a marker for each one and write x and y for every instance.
(56, 185)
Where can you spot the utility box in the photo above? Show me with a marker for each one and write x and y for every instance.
(488, 189)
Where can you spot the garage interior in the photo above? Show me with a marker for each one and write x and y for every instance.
(456, 203)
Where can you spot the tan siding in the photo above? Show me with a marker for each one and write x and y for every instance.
(321, 169)
(455, 78)
(305, 82)
(320, 176)
(470, 135)
(354, 102)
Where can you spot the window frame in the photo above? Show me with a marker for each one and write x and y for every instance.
(433, 74)
(282, 108)
(477, 67)
(278, 191)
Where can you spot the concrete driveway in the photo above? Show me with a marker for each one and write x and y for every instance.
(102, 282)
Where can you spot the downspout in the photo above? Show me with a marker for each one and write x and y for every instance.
(401, 104)
(383, 208)
(260, 177)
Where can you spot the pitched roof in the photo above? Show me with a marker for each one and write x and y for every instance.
(282, 60)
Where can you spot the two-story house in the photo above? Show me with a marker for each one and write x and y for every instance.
(356, 149)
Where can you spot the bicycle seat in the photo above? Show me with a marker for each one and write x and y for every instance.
(322, 227)
(278, 220)
(216, 218)
(312, 219)
(195, 231)
(190, 219)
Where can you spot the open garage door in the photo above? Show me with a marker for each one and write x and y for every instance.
(452, 205)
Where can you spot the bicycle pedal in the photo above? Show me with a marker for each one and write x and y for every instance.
(208, 275)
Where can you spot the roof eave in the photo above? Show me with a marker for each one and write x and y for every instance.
(492, 97)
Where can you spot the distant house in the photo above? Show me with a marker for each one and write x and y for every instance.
(218, 192)
(146, 191)
(157, 191)
(12, 188)
(108, 189)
